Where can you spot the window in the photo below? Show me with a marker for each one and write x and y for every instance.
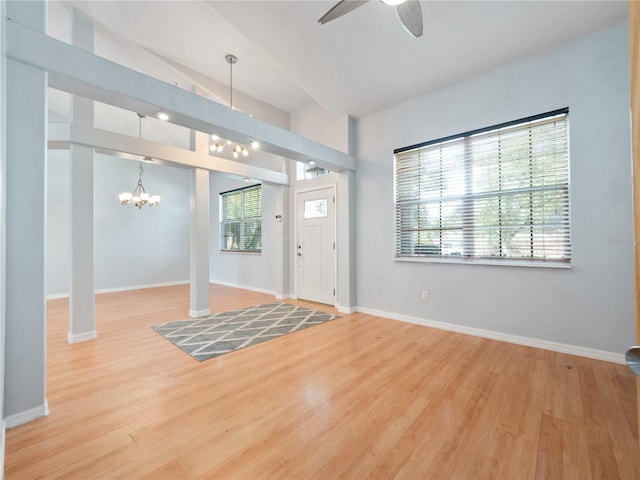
(307, 170)
(241, 220)
(499, 193)
(315, 208)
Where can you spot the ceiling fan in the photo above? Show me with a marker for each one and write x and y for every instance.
(409, 13)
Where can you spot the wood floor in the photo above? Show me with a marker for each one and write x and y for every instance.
(358, 397)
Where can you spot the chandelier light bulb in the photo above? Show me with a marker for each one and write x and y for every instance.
(255, 145)
(215, 137)
(139, 197)
(162, 116)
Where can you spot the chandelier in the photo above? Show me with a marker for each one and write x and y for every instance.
(139, 197)
(219, 144)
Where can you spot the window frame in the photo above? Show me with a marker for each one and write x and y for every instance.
(469, 258)
(241, 221)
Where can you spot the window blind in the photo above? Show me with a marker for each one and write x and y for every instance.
(497, 193)
(241, 219)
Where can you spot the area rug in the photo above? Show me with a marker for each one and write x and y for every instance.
(210, 337)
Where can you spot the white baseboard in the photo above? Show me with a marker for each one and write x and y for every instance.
(27, 416)
(504, 337)
(245, 287)
(347, 310)
(286, 296)
(55, 296)
(199, 313)
(123, 289)
(81, 337)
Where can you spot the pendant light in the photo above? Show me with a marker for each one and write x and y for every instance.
(220, 143)
(139, 197)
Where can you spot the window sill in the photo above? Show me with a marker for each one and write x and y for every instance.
(505, 263)
(246, 252)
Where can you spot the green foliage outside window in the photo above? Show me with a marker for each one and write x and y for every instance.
(241, 220)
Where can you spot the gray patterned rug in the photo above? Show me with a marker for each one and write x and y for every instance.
(210, 337)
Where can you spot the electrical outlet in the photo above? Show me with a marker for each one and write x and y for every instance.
(424, 295)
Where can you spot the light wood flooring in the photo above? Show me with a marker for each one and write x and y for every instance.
(357, 397)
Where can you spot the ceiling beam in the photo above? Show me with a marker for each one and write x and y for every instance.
(61, 135)
(79, 72)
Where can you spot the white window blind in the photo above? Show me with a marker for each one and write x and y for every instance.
(497, 193)
(241, 220)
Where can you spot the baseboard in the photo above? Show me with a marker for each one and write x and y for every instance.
(55, 296)
(286, 296)
(81, 337)
(199, 313)
(245, 287)
(347, 310)
(504, 337)
(123, 289)
(27, 416)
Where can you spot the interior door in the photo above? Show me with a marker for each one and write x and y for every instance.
(315, 249)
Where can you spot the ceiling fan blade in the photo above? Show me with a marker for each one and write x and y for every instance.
(410, 14)
(341, 8)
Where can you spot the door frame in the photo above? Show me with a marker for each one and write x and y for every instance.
(634, 70)
(334, 187)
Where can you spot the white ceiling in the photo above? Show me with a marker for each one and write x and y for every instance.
(357, 64)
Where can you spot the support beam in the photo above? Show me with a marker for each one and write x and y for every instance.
(82, 321)
(61, 135)
(346, 235)
(199, 260)
(73, 70)
(281, 253)
(25, 366)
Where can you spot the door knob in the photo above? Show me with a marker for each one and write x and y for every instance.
(632, 358)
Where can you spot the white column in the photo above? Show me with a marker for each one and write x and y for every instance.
(281, 275)
(25, 309)
(81, 287)
(199, 304)
(199, 207)
(346, 288)
(82, 324)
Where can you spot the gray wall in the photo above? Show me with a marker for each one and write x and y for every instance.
(590, 305)
(251, 270)
(132, 247)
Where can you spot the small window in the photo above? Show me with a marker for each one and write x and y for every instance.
(241, 220)
(499, 193)
(315, 208)
(305, 171)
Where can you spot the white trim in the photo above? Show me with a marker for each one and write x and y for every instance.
(124, 289)
(199, 313)
(3, 429)
(55, 296)
(503, 337)
(27, 416)
(244, 287)
(81, 337)
(347, 310)
(285, 296)
(478, 261)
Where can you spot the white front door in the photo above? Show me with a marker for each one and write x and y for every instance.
(315, 249)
